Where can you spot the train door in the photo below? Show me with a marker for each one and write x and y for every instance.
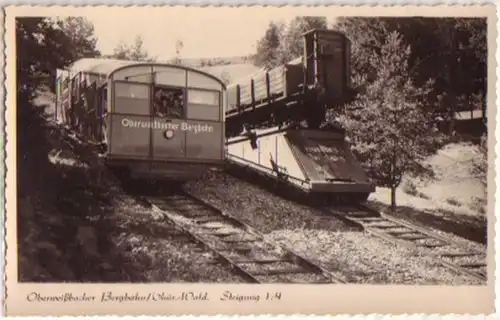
(204, 125)
(130, 120)
(168, 140)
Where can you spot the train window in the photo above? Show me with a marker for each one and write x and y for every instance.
(104, 100)
(199, 80)
(200, 112)
(58, 87)
(132, 98)
(170, 76)
(168, 102)
(65, 84)
(203, 105)
(203, 97)
(74, 87)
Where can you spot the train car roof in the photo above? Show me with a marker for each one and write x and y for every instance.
(99, 65)
(107, 66)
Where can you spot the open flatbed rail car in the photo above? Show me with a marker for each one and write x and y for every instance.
(239, 245)
(447, 252)
(300, 90)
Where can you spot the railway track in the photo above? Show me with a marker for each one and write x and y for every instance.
(445, 251)
(236, 243)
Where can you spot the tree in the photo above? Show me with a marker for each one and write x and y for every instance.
(43, 45)
(292, 45)
(80, 32)
(135, 52)
(480, 163)
(179, 45)
(268, 55)
(388, 123)
(450, 50)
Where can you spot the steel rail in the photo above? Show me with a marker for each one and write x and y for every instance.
(371, 219)
(198, 232)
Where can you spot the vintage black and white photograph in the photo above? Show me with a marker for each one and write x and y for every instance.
(293, 148)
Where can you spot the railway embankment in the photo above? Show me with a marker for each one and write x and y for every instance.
(75, 223)
(348, 252)
(59, 205)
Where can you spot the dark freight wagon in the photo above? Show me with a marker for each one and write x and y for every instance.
(299, 90)
(264, 86)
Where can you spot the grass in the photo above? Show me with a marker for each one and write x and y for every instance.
(453, 202)
(62, 230)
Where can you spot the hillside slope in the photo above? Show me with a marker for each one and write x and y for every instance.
(455, 200)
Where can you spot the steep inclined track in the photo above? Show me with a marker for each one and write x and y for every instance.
(447, 252)
(236, 243)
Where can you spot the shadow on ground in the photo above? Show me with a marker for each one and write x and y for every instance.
(63, 207)
(473, 228)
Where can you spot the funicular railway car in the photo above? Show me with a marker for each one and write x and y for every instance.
(152, 119)
(275, 122)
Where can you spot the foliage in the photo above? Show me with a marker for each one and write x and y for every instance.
(281, 44)
(37, 39)
(450, 50)
(480, 164)
(80, 33)
(134, 51)
(179, 45)
(292, 44)
(268, 54)
(388, 123)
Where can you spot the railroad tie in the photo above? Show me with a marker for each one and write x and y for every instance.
(414, 237)
(473, 265)
(370, 219)
(397, 233)
(207, 218)
(457, 254)
(240, 240)
(223, 234)
(279, 272)
(383, 226)
(360, 214)
(236, 249)
(434, 245)
(263, 261)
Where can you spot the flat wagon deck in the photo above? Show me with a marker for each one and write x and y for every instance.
(315, 161)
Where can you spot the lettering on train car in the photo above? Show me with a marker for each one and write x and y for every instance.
(325, 152)
(183, 126)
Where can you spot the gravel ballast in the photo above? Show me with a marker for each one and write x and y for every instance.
(353, 255)
(360, 258)
(146, 243)
(259, 208)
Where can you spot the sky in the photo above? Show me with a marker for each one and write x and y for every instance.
(204, 33)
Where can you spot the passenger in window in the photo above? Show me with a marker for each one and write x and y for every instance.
(160, 102)
(175, 109)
